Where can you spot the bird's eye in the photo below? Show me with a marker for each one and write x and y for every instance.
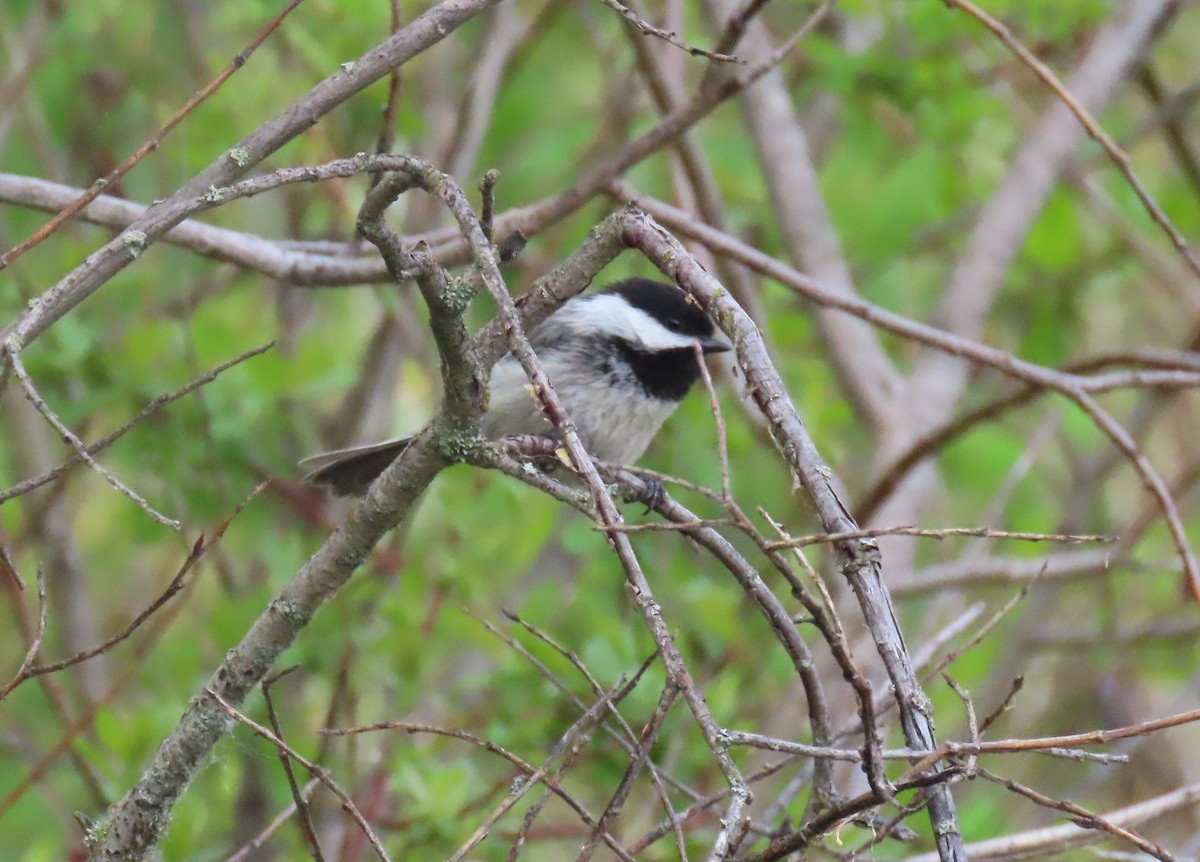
(675, 324)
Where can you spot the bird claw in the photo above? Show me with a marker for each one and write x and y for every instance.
(652, 495)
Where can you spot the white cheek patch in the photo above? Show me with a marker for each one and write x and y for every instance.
(654, 335)
(609, 314)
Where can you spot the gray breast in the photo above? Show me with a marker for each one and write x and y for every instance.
(613, 415)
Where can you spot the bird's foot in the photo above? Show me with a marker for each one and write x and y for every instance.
(652, 494)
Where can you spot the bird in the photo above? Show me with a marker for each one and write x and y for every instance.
(620, 359)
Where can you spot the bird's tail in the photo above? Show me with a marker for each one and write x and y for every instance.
(349, 472)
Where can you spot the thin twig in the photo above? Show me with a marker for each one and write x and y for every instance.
(1049, 746)
(1118, 156)
(306, 824)
(735, 26)
(1081, 816)
(623, 734)
(670, 526)
(714, 406)
(150, 409)
(637, 762)
(813, 574)
(527, 769)
(318, 772)
(13, 349)
(487, 193)
(972, 721)
(993, 621)
(387, 124)
(151, 144)
(202, 546)
(942, 533)
(581, 727)
(10, 569)
(1052, 840)
(627, 738)
(831, 818)
(150, 637)
(243, 853)
(1005, 704)
(35, 644)
(702, 805)
(937, 439)
(666, 35)
(569, 754)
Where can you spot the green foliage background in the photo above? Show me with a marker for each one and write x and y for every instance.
(922, 136)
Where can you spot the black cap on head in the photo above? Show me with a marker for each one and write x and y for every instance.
(667, 304)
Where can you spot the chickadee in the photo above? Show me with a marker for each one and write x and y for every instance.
(620, 360)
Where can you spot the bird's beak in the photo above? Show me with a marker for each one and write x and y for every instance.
(715, 343)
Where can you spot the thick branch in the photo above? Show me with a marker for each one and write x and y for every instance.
(421, 34)
(297, 267)
(605, 510)
(859, 559)
(139, 819)
(1075, 387)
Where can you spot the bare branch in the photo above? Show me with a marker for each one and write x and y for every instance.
(671, 38)
(424, 31)
(781, 146)
(150, 409)
(1055, 839)
(275, 825)
(298, 799)
(1118, 156)
(201, 547)
(637, 762)
(13, 351)
(35, 644)
(487, 192)
(151, 144)
(944, 533)
(318, 772)
(298, 267)
(1082, 817)
(858, 559)
(535, 775)
(1074, 387)
(1009, 213)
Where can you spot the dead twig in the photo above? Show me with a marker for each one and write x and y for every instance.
(1080, 816)
(298, 799)
(35, 644)
(13, 351)
(939, 534)
(667, 36)
(201, 547)
(317, 771)
(244, 852)
(1118, 156)
(151, 144)
(150, 409)
(527, 769)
